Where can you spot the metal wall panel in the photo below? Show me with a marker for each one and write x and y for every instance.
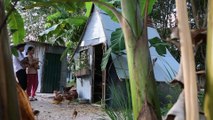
(52, 73)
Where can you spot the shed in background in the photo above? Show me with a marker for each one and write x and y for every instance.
(92, 83)
(53, 71)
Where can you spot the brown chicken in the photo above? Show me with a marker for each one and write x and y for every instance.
(67, 89)
(58, 98)
(73, 93)
(68, 96)
(74, 114)
(36, 112)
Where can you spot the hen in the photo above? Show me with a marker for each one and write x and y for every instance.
(58, 98)
(74, 114)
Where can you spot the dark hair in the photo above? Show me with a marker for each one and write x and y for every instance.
(20, 45)
(29, 49)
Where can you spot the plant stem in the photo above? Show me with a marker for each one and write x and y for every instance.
(8, 94)
(188, 61)
(142, 83)
(208, 103)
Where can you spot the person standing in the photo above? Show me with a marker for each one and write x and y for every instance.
(32, 74)
(19, 64)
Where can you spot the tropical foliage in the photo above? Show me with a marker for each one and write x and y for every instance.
(66, 21)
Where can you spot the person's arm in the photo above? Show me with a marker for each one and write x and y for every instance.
(20, 57)
(23, 60)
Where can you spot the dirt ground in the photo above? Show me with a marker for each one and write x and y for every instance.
(64, 111)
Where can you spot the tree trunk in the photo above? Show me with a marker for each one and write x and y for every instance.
(8, 97)
(208, 103)
(142, 83)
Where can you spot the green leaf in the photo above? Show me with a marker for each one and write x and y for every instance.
(59, 41)
(159, 45)
(53, 16)
(68, 44)
(76, 20)
(105, 58)
(117, 44)
(109, 12)
(88, 8)
(16, 25)
(68, 4)
(47, 31)
(39, 4)
(117, 40)
(142, 6)
(161, 50)
(154, 40)
(7, 4)
(47, 25)
(14, 51)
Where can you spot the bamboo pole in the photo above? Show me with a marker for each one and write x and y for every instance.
(189, 76)
(208, 103)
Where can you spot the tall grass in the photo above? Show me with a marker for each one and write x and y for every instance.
(120, 99)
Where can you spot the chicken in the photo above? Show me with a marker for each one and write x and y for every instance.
(68, 97)
(73, 93)
(58, 98)
(24, 104)
(36, 112)
(56, 93)
(67, 89)
(74, 114)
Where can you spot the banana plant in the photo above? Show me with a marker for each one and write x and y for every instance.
(208, 103)
(8, 97)
(143, 88)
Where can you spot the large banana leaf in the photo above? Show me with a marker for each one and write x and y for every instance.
(117, 40)
(142, 5)
(58, 29)
(109, 12)
(88, 8)
(16, 26)
(117, 44)
(47, 31)
(105, 58)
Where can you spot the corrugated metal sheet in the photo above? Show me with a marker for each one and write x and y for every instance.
(52, 73)
(94, 33)
(165, 68)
